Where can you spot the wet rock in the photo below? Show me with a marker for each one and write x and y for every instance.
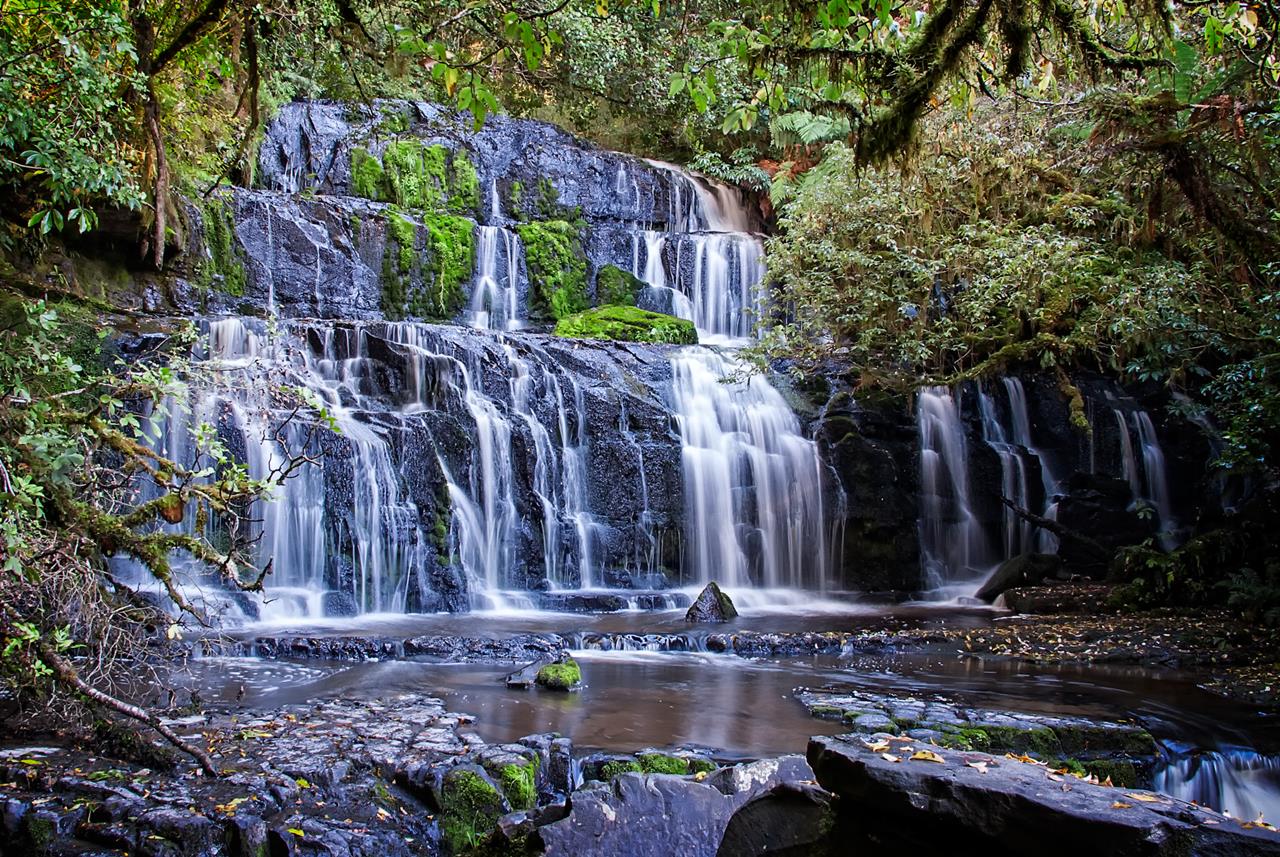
(1007, 807)
(654, 814)
(525, 677)
(711, 605)
(1026, 569)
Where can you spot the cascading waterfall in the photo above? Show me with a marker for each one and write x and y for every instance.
(1237, 780)
(753, 483)
(953, 546)
(1148, 481)
(753, 486)
(495, 294)
(1018, 457)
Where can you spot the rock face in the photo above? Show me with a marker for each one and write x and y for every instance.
(656, 814)
(1007, 807)
(711, 605)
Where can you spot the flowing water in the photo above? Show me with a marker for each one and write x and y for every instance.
(478, 466)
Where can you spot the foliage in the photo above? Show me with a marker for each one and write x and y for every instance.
(629, 324)
(68, 430)
(557, 266)
(223, 268)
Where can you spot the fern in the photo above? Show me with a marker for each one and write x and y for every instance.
(802, 128)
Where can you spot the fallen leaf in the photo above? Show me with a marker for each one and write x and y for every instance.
(876, 746)
(889, 757)
(1144, 798)
(296, 832)
(980, 766)
(1121, 805)
(926, 756)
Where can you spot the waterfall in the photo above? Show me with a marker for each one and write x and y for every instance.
(953, 545)
(495, 289)
(1236, 780)
(753, 488)
(1148, 482)
(1013, 470)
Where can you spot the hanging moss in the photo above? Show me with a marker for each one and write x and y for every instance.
(616, 287)
(464, 187)
(367, 177)
(223, 268)
(452, 262)
(557, 267)
(429, 285)
(416, 174)
(628, 324)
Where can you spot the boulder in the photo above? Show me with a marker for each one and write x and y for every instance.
(1023, 570)
(564, 674)
(1007, 807)
(658, 814)
(789, 820)
(711, 605)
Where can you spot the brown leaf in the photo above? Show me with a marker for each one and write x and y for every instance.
(1121, 805)
(1143, 798)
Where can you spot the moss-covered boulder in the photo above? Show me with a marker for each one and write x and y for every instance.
(712, 605)
(562, 675)
(470, 805)
(413, 174)
(426, 268)
(616, 287)
(629, 324)
(557, 267)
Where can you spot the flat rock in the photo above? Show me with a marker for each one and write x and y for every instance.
(1010, 807)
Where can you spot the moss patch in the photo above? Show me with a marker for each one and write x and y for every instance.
(517, 782)
(616, 287)
(223, 267)
(470, 808)
(628, 324)
(560, 676)
(367, 177)
(557, 267)
(609, 770)
(660, 763)
(434, 287)
(464, 185)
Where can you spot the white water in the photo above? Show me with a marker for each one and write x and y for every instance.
(1236, 780)
(495, 290)
(1148, 481)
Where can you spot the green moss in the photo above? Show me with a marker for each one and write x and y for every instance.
(1121, 772)
(616, 287)
(560, 676)
(827, 711)
(40, 831)
(660, 763)
(557, 267)
(701, 766)
(1083, 738)
(452, 263)
(223, 267)
(367, 177)
(517, 782)
(966, 739)
(470, 808)
(547, 201)
(464, 186)
(434, 289)
(1040, 740)
(515, 198)
(416, 174)
(609, 770)
(629, 324)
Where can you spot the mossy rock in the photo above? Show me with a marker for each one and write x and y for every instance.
(518, 781)
(470, 805)
(223, 268)
(413, 174)
(616, 287)
(427, 278)
(609, 770)
(628, 324)
(661, 763)
(564, 675)
(557, 267)
(1121, 772)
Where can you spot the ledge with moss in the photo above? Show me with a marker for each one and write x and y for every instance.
(557, 266)
(616, 287)
(628, 324)
(413, 174)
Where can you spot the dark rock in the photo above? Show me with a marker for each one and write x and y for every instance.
(1014, 808)
(527, 675)
(711, 605)
(1027, 569)
(789, 820)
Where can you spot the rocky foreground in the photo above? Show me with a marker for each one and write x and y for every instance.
(403, 776)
